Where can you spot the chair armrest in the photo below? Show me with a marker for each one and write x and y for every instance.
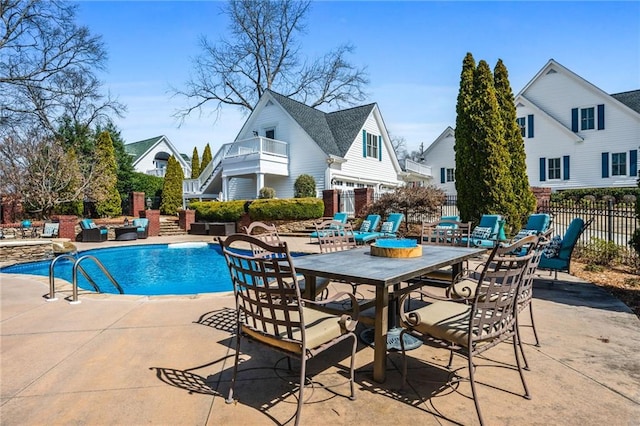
(347, 322)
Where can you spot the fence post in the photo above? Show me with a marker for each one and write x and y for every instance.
(609, 220)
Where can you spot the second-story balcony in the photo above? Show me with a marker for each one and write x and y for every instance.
(418, 169)
(257, 155)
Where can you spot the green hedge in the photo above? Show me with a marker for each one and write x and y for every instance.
(216, 211)
(266, 209)
(286, 209)
(598, 193)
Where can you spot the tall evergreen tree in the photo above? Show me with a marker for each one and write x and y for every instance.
(172, 188)
(523, 199)
(195, 164)
(206, 157)
(108, 202)
(466, 173)
(494, 188)
(124, 161)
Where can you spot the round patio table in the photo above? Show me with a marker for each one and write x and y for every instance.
(126, 233)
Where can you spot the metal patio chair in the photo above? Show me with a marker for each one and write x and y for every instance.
(470, 329)
(271, 312)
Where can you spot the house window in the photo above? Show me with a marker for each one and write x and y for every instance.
(450, 175)
(522, 124)
(619, 164)
(587, 118)
(554, 168)
(372, 145)
(270, 133)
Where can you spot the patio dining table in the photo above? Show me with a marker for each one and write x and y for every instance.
(358, 266)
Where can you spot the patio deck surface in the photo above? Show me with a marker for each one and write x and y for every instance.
(168, 360)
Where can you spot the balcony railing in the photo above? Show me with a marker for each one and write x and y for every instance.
(256, 145)
(157, 172)
(415, 167)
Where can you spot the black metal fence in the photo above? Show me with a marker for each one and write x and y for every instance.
(611, 221)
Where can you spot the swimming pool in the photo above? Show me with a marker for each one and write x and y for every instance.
(150, 269)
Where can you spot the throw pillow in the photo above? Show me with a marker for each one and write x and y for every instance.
(364, 227)
(387, 227)
(552, 249)
(524, 233)
(481, 232)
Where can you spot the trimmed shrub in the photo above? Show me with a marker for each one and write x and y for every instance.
(218, 211)
(266, 193)
(305, 186)
(287, 209)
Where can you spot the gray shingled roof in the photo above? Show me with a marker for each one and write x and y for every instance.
(333, 132)
(630, 99)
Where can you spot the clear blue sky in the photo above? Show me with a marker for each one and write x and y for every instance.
(413, 52)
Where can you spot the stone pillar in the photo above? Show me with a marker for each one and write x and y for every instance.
(363, 197)
(154, 221)
(67, 227)
(136, 203)
(331, 205)
(186, 218)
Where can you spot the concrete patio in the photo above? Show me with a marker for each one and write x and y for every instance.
(168, 360)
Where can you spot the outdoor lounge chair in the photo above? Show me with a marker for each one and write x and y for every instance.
(50, 229)
(557, 255)
(389, 229)
(270, 311)
(369, 225)
(470, 329)
(92, 233)
(537, 224)
(142, 225)
(338, 217)
(489, 232)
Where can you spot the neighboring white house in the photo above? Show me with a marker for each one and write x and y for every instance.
(575, 134)
(150, 156)
(283, 139)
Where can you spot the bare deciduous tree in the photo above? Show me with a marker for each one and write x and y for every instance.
(47, 67)
(264, 53)
(38, 169)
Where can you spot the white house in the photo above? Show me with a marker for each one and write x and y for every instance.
(575, 134)
(283, 139)
(150, 156)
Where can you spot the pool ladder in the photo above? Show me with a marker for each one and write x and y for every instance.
(77, 267)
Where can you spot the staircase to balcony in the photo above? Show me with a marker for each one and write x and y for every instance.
(169, 226)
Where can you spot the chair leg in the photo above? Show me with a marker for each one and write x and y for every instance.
(450, 360)
(404, 360)
(303, 369)
(533, 324)
(473, 388)
(515, 352)
(517, 337)
(352, 368)
(229, 399)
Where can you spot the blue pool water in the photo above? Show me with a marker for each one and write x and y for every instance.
(157, 269)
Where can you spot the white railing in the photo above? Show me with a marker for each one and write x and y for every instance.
(415, 167)
(157, 172)
(257, 145)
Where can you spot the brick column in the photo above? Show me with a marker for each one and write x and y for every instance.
(330, 198)
(543, 196)
(136, 203)
(154, 221)
(363, 197)
(186, 218)
(67, 226)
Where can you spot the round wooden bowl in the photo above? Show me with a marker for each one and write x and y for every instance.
(398, 252)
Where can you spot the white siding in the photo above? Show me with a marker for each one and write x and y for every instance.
(146, 162)
(365, 169)
(557, 94)
(440, 154)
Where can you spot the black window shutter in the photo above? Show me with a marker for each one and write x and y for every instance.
(574, 120)
(530, 126)
(543, 166)
(605, 164)
(633, 162)
(442, 175)
(601, 117)
(565, 166)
